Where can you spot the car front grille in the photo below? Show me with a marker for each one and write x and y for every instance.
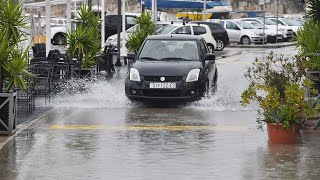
(167, 78)
(162, 93)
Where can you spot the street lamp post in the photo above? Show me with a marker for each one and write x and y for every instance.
(204, 10)
(277, 20)
(118, 63)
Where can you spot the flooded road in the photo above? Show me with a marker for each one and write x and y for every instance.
(94, 132)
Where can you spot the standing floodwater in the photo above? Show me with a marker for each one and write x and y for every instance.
(95, 132)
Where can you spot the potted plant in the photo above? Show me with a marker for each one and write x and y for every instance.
(278, 84)
(84, 42)
(13, 62)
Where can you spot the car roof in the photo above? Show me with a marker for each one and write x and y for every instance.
(175, 37)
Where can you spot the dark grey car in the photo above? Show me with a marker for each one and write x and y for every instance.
(172, 67)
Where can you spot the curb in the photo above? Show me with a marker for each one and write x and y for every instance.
(262, 46)
(24, 126)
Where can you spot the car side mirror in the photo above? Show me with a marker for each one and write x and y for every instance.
(210, 57)
(131, 55)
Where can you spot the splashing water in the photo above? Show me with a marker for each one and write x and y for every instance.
(102, 93)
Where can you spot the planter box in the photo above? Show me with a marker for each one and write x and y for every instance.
(279, 135)
(77, 72)
(8, 113)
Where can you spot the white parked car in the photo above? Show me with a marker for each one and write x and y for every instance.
(124, 36)
(287, 33)
(192, 29)
(271, 35)
(58, 31)
(242, 32)
(294, 25)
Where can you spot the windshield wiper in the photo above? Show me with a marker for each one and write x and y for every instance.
(148, 58)
(174, 58)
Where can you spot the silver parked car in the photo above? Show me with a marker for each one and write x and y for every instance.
(272, 37)
(242, 32)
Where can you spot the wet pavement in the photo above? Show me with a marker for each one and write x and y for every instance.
(97, 133)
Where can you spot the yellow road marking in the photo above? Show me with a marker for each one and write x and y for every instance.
(140, 127)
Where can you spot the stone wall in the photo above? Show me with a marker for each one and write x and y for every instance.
(285, 7)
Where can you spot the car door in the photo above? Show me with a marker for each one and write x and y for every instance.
(209, 66)
(234, 31)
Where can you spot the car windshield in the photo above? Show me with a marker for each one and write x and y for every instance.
(257, 25)
(132, 29)
(267, 21)
(166, 50)
(165, 29)
(245, 25)
(291, 22)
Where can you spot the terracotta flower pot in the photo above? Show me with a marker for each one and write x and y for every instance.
(279, 135)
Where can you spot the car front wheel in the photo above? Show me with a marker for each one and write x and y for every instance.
(220, 45)
(245, 40)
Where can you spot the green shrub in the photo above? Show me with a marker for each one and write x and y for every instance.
(278, 85)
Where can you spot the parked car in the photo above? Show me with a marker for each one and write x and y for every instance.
(294, 25)
(172, 67)
(287, 33)
(219, 33)
(191, 29)
(242, 32)
(271, 35)
(112, 21)
(124, 36)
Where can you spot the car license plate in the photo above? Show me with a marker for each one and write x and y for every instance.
(163, 85)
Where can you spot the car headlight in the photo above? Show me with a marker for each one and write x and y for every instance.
(253, 34)
(134, 75)
(193, 75)
(281, 29)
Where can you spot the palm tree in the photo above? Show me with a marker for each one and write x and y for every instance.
(84, 42)
(314, 10)
(146, 27)
(13, 60)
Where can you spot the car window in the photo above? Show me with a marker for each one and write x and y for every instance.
(257, 25)
(216, 26)
(182, 30)
(291, 22)
(162, 49)
(165, 29)
(130, 20)
(222, 23)
(132, 29)
(266, 21)
(115, 20)
(245, 25)
(198, 30)
(231, 25)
